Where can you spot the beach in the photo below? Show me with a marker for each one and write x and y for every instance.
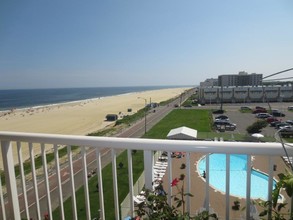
(81, 117)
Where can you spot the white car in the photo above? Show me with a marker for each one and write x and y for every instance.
(263, 115)
(290, 108)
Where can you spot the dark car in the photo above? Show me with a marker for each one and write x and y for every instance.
(286, 132)
(282, 124)
(278, 114)
(187, 106)
(259, 110)
(222, 117)
(275, 123)
(259, 107)
(219, 111)
(272, 119)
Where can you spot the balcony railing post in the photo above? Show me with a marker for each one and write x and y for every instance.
(248, 186)
(148, 168)
(227, 186)
(188, 181)
(13, 204)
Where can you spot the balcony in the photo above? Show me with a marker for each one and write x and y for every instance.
(26, 198)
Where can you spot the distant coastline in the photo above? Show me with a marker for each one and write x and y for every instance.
(38, 98)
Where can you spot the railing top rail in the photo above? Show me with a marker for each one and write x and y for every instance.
(252, 148)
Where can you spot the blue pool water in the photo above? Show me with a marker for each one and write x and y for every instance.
(238, 165)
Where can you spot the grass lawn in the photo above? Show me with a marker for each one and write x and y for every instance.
(196, 119)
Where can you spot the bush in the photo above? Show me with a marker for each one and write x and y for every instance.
(256, 126)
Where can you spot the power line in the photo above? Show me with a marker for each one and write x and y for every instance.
(277, 79)
(277, 73)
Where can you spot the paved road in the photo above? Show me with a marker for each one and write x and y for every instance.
(136, 130)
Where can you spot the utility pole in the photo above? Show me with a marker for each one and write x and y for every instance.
(221, 93)
(145, 109)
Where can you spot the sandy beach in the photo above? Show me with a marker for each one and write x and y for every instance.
(79, 118)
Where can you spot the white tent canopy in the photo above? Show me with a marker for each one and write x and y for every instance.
(182, 133)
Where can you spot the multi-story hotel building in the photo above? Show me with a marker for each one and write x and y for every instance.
(242, 79)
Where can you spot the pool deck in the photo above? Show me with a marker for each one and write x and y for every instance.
(217, 199)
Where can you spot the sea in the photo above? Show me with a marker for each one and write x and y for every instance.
(27, 98)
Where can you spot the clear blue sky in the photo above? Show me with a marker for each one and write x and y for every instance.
(92, 43)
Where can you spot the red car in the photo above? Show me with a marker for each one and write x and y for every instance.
(271, 119)
(259, 110)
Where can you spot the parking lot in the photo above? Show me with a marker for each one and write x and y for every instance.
(243, 120)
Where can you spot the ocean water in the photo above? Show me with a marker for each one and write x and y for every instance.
(25, 98)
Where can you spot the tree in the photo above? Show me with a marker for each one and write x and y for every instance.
(256, 126)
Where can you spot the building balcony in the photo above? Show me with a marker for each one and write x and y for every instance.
(33, 194)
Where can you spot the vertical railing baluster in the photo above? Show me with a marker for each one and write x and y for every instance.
(85, 183)
(22, 176)
(188, 182)
(115, 185)
(130, 179)
(2, 201)
(148, 159)
(270, 185)
(207, 193)
(227, 186)
(47, 185)
(12, 195)
(170, 178)
(35, 183)
(59, 181)
(72, 186)
(100, 182)
(248, 185)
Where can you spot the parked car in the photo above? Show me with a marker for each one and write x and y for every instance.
(286, 132)
(282, 124)
(275, 123)
(224, 125)
(263, 115)
(222, 117)
(278, 114)
(289, 122)
(272, 119)
(187, 106)
(290, 108)
(259, 107)
(286, 127)
(219, 111)
(259, 110)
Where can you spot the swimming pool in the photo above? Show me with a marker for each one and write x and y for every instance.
(238, 164)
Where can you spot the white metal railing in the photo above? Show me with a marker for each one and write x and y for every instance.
(19, 201)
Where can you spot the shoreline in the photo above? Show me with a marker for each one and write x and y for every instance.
(78, 118)
(36, 107)
(7, 110)
(90, 109)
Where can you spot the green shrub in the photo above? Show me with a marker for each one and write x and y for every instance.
(256, 126)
